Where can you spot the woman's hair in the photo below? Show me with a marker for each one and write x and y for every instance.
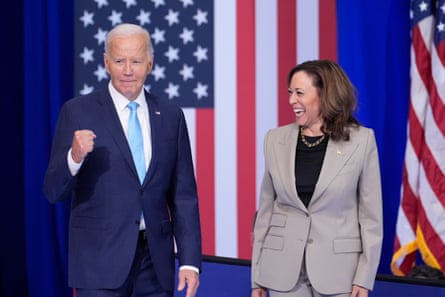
(337, 96)
(129, 30)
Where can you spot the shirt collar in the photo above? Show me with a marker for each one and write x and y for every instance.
(121, 101)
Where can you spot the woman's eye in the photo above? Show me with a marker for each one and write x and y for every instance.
(297, 92)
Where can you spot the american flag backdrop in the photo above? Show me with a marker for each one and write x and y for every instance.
(226, 63)
(421, 216)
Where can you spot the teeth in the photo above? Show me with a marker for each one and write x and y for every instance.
(298, 110)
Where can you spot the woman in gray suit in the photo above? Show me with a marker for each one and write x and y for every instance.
(318, 230)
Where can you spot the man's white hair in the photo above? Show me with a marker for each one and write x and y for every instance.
(128, 30)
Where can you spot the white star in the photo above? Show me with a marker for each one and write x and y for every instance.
(158, 3)
(200, 54)
(423, 6)
(172, 17)
(147, 88)
(101, 35)
(186, 35)
(158, 36)
(200, 17)
(87, 55)
(186, 3)
(172, 90)
(101, 3)
(129, 3)
(200, 90)
(101, 73)
(115, 17)
(143, 17)
(87, 18)
(158, 72)
(186, 72)
(443, 8)
(172, 54)
(440, 27)
(86, 89)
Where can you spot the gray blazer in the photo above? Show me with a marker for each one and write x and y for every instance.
(339, 234)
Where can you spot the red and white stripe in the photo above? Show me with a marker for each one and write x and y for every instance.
(421, 219)
(256, 44)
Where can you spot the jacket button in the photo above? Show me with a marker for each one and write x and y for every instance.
(310, 240)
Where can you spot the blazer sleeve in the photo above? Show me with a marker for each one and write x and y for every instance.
(370, 215)
(58, 181)
(185, 209)
(264, 213)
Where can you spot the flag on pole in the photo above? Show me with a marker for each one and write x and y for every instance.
(421, 216)
(226, 63)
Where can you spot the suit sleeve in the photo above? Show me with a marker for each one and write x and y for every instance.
(58, 181)
(370, 216)
(264, 213)
(185, 209)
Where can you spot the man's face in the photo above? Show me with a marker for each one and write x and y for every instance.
(128, 64)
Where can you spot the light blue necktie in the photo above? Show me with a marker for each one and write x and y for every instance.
(135, 140)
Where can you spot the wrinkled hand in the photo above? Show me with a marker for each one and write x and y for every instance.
(358, 291)
(258, 292)
(191, 279)
(83, 143)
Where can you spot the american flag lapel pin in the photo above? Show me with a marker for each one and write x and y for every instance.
(157, 113)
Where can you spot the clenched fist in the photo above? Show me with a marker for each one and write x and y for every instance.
(83, 143)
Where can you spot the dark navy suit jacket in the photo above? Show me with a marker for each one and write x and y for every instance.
(107, 197)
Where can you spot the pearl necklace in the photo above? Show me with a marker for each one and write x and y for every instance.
(309, 144)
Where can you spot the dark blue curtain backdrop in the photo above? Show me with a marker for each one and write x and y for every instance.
(48, 77)
(12, 248)
(374, 44)
(37, 75)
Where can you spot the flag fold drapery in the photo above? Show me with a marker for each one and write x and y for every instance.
(421, 215)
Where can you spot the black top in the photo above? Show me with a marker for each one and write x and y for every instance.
(308, 162)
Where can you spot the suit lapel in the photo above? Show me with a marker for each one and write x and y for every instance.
(285, 157)
(337, 154)
(155, 128)
(112, 123)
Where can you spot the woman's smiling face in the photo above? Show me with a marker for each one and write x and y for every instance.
(304, 99)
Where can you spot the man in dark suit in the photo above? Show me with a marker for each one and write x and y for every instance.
(124, 227)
